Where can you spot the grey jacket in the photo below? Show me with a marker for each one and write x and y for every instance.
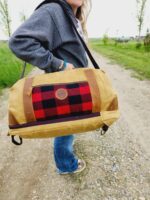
(47, 38)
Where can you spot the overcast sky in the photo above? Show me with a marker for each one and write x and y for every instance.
(114, 17)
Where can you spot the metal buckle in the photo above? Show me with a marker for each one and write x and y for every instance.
(103, 129)
(103, 132)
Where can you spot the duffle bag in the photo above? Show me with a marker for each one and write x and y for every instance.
(62, 103)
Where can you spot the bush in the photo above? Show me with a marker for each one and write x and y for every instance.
(147, 42)
(105, 39)
(138, 45)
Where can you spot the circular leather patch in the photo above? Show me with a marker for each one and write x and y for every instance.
(61, 93)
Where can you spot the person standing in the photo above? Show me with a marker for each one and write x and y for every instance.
(47, 40)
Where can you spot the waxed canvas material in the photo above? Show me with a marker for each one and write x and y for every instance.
(82, 100)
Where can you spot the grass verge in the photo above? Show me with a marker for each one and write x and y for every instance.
(126, 55)
(10, 66)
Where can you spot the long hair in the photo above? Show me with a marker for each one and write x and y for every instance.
(82, 14)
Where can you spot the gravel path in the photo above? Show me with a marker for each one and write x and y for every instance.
(118, 164)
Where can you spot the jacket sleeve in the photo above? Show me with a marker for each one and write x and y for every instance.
(35, 39)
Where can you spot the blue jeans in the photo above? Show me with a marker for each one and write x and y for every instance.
(65, 159)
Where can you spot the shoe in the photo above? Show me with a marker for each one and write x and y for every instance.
(81, 167)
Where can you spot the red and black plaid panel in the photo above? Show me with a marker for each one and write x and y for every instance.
(61, 100)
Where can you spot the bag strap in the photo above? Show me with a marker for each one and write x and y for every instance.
(68, 10)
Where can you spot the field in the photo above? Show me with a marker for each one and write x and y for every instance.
(10, 66)
(125, 54)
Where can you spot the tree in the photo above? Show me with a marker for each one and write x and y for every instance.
(23, 19)
(140, 14)
(4, 17)
(105, 39)
(147, 41)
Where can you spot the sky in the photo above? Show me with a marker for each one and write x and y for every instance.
(113, 17)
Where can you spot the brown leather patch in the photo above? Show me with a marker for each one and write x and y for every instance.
(94, 90)
(61, 93)
(27, 100)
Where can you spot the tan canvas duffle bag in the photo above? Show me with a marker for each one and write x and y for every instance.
(62, 103)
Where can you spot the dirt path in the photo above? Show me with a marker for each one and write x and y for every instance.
(118, 165)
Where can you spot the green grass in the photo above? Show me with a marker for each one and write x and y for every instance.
(126, 55)
(10, 66)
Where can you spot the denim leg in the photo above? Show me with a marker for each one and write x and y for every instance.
(64, 157)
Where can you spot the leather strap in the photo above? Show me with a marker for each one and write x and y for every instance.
(94, 90)
(69, 12)
(27, 100)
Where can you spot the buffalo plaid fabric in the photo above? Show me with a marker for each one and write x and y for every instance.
(47, 105)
